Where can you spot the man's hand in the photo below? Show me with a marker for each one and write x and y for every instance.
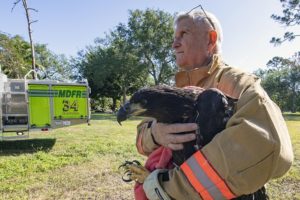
(165, 134)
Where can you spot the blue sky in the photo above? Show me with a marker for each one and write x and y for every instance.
(69, 26)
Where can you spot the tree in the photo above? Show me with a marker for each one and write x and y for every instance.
(130, 56)
(290, 69)
(14, 55)
(282, 81)
(274, 86)
(112, 71)
(151, 34)
(123, 61)
(55, 67)
(290, 17)
(131, 72)
(15, 58)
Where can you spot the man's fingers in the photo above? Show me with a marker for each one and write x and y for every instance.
(177, 139)
(178, 128)
(165, 134)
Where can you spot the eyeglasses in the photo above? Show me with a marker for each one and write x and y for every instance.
(209, 20)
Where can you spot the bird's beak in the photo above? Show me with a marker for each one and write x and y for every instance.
(123, 113)
(128, 110)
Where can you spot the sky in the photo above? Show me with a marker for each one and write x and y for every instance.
(69, 26)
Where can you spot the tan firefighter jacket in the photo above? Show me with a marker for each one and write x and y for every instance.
(254, 147)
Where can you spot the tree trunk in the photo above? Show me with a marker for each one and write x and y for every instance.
(124, 95)
(152, 71)
(114, 105)
(30, 36)
(294, 95)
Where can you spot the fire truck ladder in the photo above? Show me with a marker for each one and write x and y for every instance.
(14, 110)
(15, 117)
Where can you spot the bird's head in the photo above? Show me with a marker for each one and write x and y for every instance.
(165, 104)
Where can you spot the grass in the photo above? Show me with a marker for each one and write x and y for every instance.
(75, 162)
(288, 187)
(81, 162)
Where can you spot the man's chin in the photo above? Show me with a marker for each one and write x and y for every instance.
(180, 63)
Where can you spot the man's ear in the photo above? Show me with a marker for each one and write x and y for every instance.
(213, 37)
(212, 41)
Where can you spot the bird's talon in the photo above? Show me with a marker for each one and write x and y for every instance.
(128, 173)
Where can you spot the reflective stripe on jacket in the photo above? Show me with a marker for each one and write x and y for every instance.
(205, 179)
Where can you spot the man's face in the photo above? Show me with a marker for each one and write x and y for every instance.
(190, 44)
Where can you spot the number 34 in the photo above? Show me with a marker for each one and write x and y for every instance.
(70, 105)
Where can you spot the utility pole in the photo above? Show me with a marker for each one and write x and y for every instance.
(29, 22)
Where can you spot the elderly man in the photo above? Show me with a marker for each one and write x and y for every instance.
(255, 145)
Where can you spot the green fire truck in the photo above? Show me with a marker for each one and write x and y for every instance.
(42, 105)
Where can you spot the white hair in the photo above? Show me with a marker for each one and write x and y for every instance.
(207, 18)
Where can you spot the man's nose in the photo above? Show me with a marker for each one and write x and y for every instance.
(175, 43)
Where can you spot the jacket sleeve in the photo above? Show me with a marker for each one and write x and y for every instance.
(254, 147)
(144, 141)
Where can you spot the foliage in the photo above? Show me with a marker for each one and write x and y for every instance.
(151, 33)
(15, 55)
(103, 104)
(15, 59)
(290, 18)
(123, 61)
(282, 81)
(111, 73)
(55, 67)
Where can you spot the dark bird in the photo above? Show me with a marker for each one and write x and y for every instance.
(210, 109)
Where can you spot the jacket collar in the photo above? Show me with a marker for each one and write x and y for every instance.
(192, 77)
